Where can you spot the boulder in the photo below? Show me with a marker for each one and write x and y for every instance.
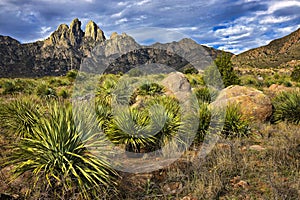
(275, 89)
(178, 85)
(253, 103)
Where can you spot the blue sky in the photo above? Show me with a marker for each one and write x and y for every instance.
(233, 25)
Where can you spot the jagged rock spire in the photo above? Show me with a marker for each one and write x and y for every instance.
(75, 32)
(93, 31)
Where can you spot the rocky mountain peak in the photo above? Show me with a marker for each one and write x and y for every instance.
(92, 30)
(75, 32)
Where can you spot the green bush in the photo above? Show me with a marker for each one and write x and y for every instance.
(150, 89)
(235, 124)
(205, 94)
(195, 80)
(190, 70)
(144, 129)
(223, 72)
(14, 86)
(56, 156)
(296, 74)
(64, 94)
(44, 90)
(204, 121)
(287, 107)
(72, 74)
(19, 117)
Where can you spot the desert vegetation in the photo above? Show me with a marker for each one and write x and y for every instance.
(46, 149)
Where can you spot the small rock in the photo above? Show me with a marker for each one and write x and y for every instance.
(256, 148)
(172, 188)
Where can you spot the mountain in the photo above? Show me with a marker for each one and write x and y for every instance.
(62, 51)
(69, 46)
(282, 52)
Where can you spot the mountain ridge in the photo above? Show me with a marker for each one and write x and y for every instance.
(68, 46)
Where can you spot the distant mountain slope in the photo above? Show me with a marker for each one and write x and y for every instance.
(277, 53)
(67, 47)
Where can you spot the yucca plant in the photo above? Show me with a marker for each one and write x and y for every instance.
(205, 94)
(58, 155)
(166, 118)
(130, 127)
(287, 107)
(19, 117)
(204, 120)
(235, 124)
(150, 89)
(105, 90)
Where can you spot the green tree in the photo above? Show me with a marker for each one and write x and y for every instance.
(225, 67)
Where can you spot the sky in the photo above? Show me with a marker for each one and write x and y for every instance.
(231, 25)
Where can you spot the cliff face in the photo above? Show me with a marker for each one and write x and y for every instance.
(67, 47)
(62, 51)
(278, 53)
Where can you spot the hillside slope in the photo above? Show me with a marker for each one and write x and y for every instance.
(278, 53)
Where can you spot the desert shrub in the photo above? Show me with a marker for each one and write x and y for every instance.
(249, 80)
(287, 107)
(150, 89)
(13, 86)
(190, 70)
(204, 121)
(56, 156)
(19, 117)
(58, 81)
(205, 94)
(64, 94)
(72, 74)
(142, 129)
(287, 84)
(296, 74)
(44, 90)
(195, 80)
(235, 124)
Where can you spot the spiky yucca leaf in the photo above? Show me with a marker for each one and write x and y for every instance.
(58, 154)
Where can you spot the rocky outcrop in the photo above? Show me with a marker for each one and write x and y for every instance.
(63, 50)
(253, 103)
(94, 32)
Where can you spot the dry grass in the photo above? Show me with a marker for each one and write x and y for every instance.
(234, 169)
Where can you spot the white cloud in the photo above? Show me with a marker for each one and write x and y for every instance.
(45, 30)
(117, 15)
(282, 4)
(140, 3)
(233, 30)
(179, 29)
(121, 21)
(123, 3)
(274, 20)
(288, 30)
